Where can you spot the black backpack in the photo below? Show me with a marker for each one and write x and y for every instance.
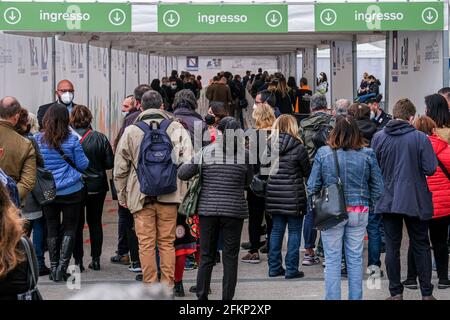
(320, 137)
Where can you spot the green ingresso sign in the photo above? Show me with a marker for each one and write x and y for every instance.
(32, 16)
(190, 18)
(379, 16)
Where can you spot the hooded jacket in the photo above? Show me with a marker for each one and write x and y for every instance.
(127, 156)
(191, 118)
(406, 157)
(438, 183)
(309, 126)
(223, 183)
(367, 128)
(285, 191)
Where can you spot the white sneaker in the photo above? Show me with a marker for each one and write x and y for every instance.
(374, 271)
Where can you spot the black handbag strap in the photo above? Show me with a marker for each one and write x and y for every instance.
(336, 164)
(32, 281)
(67, 159)
(443, 168)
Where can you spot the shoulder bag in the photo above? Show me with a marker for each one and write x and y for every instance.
(328, 205)
(443, 168)
(44, 191)
(33, 291)
(189, 205)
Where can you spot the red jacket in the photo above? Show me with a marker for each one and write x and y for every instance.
(438, 183)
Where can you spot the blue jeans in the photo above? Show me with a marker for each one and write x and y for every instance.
(276, 241)
(38, 226)
(350, 232)
(309, 233)
(374, 234)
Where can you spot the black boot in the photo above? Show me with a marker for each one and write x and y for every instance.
(53, 251)
(95, 264)
(79, 264)
(66, 253)
(178, 289)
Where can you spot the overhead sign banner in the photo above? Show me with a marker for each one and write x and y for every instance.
(192, 18)
(379, 16)
(32, 16)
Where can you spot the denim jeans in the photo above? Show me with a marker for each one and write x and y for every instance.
(276, 241)
(38, 226)
(350, 232)
(309, 233)
(374, 235)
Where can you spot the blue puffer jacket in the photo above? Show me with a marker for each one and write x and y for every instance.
(360, 175)
(68, 180)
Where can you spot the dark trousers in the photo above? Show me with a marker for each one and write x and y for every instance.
(231, 229)
(91, 212)
(127, 221)
(419, 244)
(438, 237)
(256, 215)
(122, 244)
(70, 213)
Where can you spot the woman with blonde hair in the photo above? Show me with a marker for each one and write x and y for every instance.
(286, 199)
(13, 260)
(264, 118)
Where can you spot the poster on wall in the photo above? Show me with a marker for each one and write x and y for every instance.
(214, 63)
(34, 57)
(342, 70)
(44, 60)
(420, 64)
(192, 63)
(394, 71)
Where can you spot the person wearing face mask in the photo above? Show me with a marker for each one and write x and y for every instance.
(216, 112)
(377, 114)
(64, 95)
(19, 158)
(406, 158)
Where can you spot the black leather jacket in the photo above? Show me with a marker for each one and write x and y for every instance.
(99, 152)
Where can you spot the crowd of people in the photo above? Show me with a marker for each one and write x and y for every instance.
(186, 182)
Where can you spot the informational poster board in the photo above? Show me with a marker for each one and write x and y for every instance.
(309, 66)
(144, 68)
(71, 64)
(132, 71)
(118, 92)
(99, 102)
(341, 78)
(415, 61)
(26, 70)
(154, 67)
(162, 71)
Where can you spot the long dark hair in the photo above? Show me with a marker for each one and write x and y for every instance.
(56, 125)
(437, 109)
(346, 134)
(11, 230)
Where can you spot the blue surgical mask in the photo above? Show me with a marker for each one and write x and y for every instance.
(125, 113)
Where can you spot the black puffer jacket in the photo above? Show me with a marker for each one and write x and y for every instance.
(99, 152)
(223, 185)
(285, 193)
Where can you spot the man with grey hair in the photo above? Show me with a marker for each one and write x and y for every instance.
(314, 131)
(155, 216)
(341, 107)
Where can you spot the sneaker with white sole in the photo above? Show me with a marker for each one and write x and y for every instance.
(251, 258)
(135, 267)
(309, 260)
(374, 271)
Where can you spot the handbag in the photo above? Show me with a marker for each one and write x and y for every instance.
(113, 189)
(45, 188)
(33, 291)
(258, 184)
(189, 205)
(328, 204)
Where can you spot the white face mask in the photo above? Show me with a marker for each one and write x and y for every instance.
(174, 86)
(372, 115)
(67, 98)
(125, 113)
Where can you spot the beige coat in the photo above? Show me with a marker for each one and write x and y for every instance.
(18, 160)
(127, 155)
(444, 133)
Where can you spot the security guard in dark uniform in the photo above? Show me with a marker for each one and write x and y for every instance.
(378, 116)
